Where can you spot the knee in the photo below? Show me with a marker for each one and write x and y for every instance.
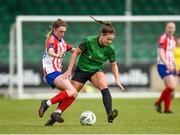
(72, 93)
(75, 93)
(172, 86)
(103, 86)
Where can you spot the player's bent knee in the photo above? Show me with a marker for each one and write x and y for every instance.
(72, 93)
(75, 93)
(172, 86)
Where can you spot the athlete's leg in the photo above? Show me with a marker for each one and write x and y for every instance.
(78, 80)
(68, 101)
(64, 105)
(60, 83)
(99, 81)
(65, 84)
(170, 83)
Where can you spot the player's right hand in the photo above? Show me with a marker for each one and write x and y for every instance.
(170, 68)
(118, 83)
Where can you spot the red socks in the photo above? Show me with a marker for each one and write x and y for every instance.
(66, 103)
(167, 103)
(63, 100)
(165, 96)
(59, 97)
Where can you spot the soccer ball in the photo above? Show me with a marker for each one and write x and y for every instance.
(87, 118)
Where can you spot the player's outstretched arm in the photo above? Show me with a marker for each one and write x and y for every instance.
(72, 61)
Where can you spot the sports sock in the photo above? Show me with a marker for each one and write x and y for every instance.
(59, 97)
(163, 96)
(66, 103)
(58, 111)
(107, 100)
(49, 102)
(167, 102)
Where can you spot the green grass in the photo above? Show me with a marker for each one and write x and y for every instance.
(135, 116)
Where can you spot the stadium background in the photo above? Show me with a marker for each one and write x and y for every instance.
(136, 116)
(144, 35)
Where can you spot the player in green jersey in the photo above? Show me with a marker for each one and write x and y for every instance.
(94, 51)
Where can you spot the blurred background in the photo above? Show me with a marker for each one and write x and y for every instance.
(136, 58)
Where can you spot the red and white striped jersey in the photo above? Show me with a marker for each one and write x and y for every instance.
(168, 44)
(52, 64)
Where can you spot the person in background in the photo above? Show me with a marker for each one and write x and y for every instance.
(177, 59)
(166, 67)
(177, 55)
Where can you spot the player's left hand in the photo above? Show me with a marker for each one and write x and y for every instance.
(120, 85)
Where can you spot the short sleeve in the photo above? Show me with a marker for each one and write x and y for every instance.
(50, 43)
(83, 46)
(68, 47)
(50, 46)
(112, 55)
(162, 42)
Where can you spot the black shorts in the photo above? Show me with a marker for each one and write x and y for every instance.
(82, 76)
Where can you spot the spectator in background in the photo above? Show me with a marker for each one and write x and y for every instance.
(177, 59)
(177, 55)
(166, 66)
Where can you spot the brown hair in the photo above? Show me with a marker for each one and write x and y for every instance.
(107, 26)
(55, 25)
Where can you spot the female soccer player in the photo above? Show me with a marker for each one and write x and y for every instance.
(94, 52)
(166, 66)
(52, 67)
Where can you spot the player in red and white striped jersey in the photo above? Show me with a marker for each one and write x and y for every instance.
(59, 47)
(52, 67)
(168, 44)
(166, 66)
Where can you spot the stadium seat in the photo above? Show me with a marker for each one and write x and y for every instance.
(9, 10)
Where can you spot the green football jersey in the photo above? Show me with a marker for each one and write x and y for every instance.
(94, 55)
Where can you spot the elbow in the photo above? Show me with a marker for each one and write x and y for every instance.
(76, 52)
(49, 53)
(114, 64)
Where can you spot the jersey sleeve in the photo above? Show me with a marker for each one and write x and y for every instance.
(68, 47)
(50, 46)
(83, 45)
(162, 42)
(49, 43)
(112, 55)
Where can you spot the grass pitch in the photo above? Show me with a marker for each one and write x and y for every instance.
(136, 116)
